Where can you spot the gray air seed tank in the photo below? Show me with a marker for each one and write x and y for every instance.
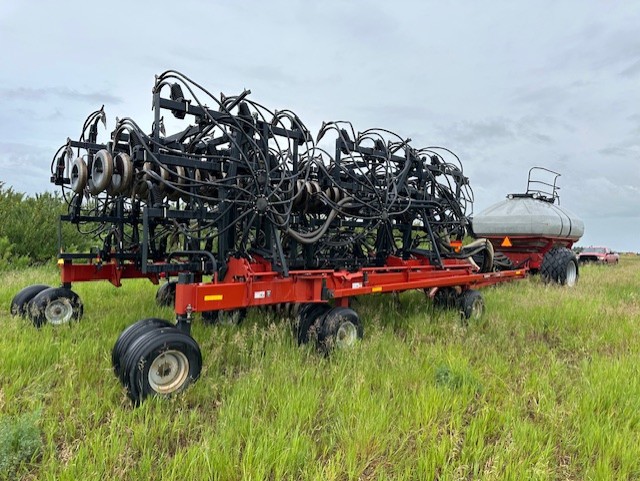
(531, 227)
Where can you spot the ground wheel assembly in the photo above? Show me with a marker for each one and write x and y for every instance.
(128, 336)
(166, 294)
(20, 301)
(445, 298)
(161, 361)
(339, 328)
(306, 322)
(471, 305)
(55, 306)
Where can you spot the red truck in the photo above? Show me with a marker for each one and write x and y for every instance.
(601, 255)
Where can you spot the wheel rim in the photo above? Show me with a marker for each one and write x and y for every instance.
(168, 372)
(58, 311)
(346, 335)
(477, 308)
(572, 274)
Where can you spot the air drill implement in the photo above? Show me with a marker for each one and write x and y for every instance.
(239, 206)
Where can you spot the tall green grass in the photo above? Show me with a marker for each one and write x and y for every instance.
(546, 386)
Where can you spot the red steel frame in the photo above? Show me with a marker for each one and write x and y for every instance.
(527, 250)
(96, 270)
(255, 283)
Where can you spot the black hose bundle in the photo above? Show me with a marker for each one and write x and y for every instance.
(240, 179)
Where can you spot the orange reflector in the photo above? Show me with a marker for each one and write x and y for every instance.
(376, 289)
(214, 297)
(457, 245)
(506, 242)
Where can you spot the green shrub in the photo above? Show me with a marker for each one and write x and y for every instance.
(20, 443)
(30, 225)
(7, 259)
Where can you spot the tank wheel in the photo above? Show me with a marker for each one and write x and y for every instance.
(160, 362)
(471, 305)
(21, 300)
(340, 328)
(129, 335)
(232, 317)
(445, 298)
(306, 326)
(56, 306)
(166, 294)
(560, 265)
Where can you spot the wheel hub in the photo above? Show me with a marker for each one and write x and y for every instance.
(168, 372)
(477, 309)
(346, 335)
(59, 311)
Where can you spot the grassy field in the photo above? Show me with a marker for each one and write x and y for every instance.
(546, 386)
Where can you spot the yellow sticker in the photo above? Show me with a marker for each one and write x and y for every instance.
(213, 297)
(376, 289)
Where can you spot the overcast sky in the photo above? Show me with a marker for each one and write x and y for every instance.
(506, 85)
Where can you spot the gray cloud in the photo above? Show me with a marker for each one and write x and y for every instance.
(480, 132)
(632, 70)
(621, 46)
(620, 151)
(31, 115)
(634, 128)
(541, 95)
(601, 198)
(26, 166)
(601, 48)
(66, 93)
(494, 130)
(264, 72)
(395, 114)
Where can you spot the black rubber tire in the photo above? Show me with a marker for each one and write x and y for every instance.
(56, 305)
(286, 310)
(560, 265)
(501, 262)
(445, 298)
(166, 294)
(21, 299)
(471, 305)
(340, 327)
(308, 315)
(126, 337)
(232, 317)
(146, 349)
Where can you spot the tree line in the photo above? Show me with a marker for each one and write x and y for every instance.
(29, 228)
